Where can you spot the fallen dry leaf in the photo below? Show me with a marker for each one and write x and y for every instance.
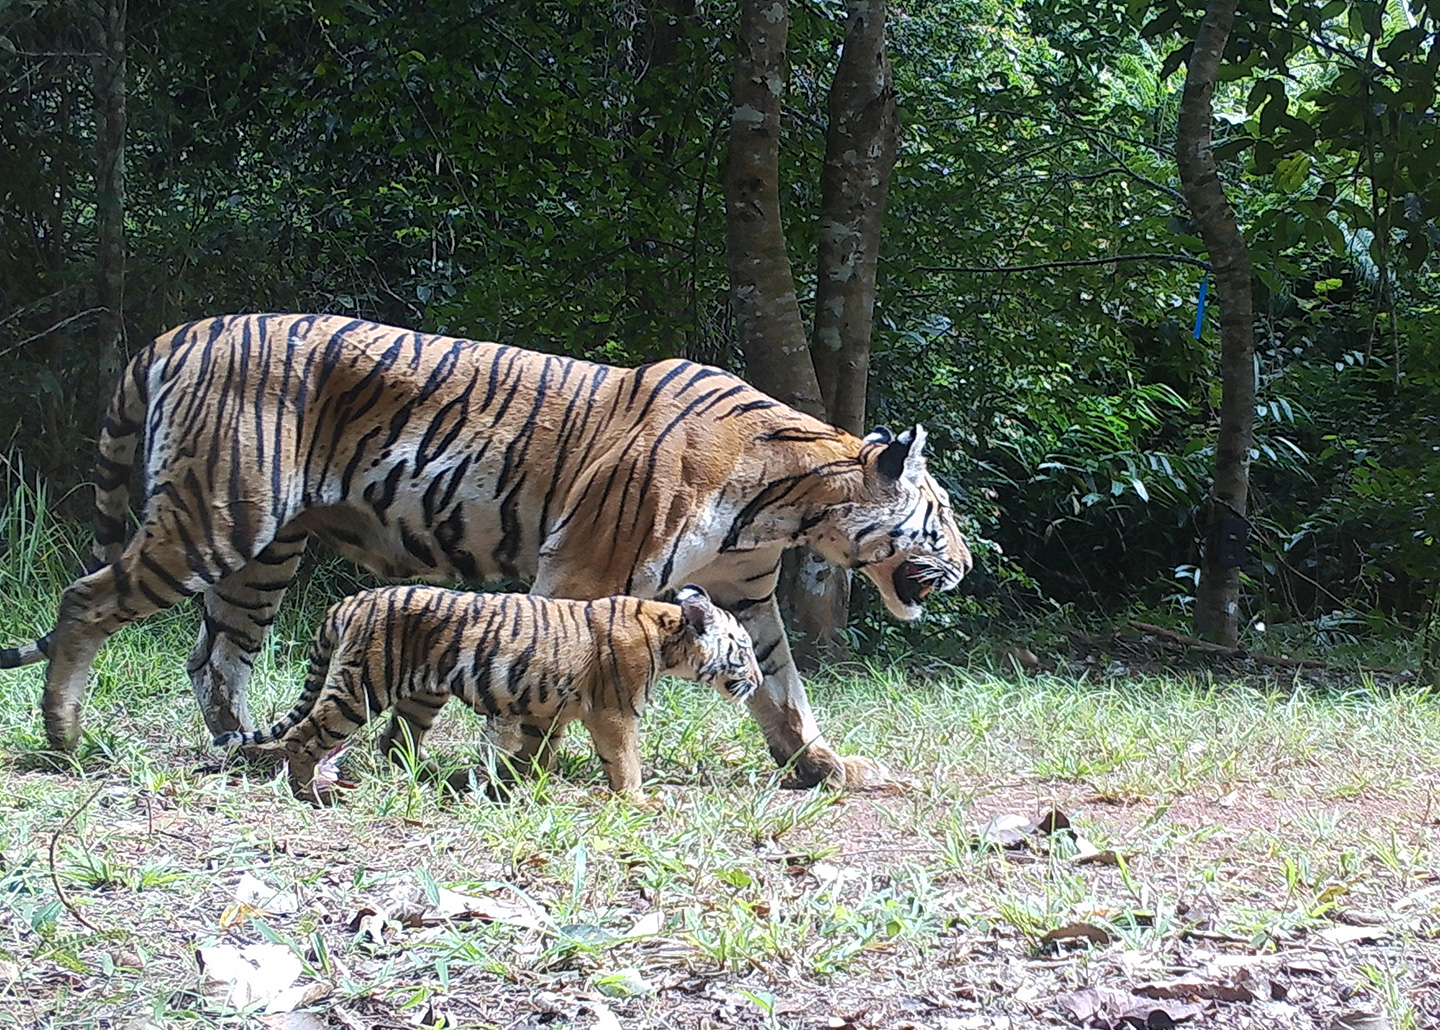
(1351, 934)
(294, 1021)
(1314, 962)
(298, 997)
(604, 1017)
(1360, 1020)
(1050, 821)
(256, 893)
(1086, 853)
(409, 905)
(1192, 987)
(241, 977)
(648, 925)
(1005, 831)
(1108, 1008)
(234, 914)
(1076, 931)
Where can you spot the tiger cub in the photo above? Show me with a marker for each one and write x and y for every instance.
(543, 662)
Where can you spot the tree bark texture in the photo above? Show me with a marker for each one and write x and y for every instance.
(762, 288)
(109, 93)
(861, 139)
(1218, 595)
(860, 146)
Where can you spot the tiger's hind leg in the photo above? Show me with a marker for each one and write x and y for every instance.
(522, 746)
(91, 610)
(337, 713)
(403, 741)
(238, 612)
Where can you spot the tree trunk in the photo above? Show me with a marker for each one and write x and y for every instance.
(762, 289)
(860, 146)
(1217, 600)
(109, 71)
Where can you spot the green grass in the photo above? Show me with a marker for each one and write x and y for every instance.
(1249, 818)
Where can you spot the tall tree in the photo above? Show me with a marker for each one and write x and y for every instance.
(109, 94)
(827, 379)
(762, 289)
(1217, 600)
(861, 139)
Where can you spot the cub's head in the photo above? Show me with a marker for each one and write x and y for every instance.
(899, 531)
(713, 648)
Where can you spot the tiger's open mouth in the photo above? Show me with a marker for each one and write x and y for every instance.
(913, 583)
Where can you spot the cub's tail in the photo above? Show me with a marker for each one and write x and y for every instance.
(25, 654)
(321, 647)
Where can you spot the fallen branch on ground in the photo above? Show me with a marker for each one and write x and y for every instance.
(1196, 644)
(55, 873)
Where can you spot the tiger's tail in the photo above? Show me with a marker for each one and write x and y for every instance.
(321, 648)
(25, 654)
(115, 455)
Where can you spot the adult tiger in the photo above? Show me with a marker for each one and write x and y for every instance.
(447, 459)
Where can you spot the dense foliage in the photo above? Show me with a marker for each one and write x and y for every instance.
(548, 174)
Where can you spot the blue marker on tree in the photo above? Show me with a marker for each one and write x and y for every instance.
(1200, 307)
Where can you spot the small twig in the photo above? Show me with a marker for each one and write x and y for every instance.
(46, 332)
(55, 876)
(1181, 259)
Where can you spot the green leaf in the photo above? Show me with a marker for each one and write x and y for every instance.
(1175, 58)
(1291, 172)
(1275, 108)
(1416, 249)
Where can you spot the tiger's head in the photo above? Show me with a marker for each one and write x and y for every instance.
(901, 532)
(713, 648)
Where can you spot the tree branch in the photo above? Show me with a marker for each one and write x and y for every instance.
(1173, 194)
(54, 328)
(1179, 259)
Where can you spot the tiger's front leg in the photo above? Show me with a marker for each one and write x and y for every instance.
(239, 609)
(616, 736)
(782, 709)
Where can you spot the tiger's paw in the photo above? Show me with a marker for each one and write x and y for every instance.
(62, 726)
(815, 765)
(853, 773)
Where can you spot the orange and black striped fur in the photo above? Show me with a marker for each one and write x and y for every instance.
(542, 662)
(453, 460)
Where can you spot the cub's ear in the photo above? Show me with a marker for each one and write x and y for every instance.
(695, 608)
(903, 456)
(880, 434)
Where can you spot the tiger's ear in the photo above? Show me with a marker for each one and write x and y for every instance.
(880, 434)
(695, 608)
(904, 455)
